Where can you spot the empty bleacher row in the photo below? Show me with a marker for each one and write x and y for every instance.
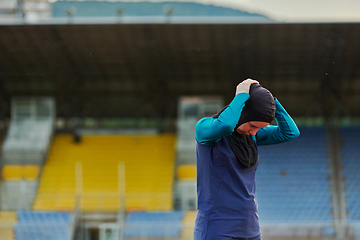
(154, 224)
(18, 172)
(292, 180)
(186, 172)
(42, 229)
(30, 225)
(351, 162)
(43, 225)
(58, 225)
(149, 167)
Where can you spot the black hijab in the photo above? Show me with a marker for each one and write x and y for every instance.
(259, 107)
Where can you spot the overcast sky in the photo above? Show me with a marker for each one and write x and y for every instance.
(303, 10)
(294, 10)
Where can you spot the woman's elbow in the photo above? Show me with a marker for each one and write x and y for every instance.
(295, 134)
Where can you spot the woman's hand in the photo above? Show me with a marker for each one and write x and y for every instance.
(244, 86)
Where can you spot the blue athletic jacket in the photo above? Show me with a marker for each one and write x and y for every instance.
(227, 206)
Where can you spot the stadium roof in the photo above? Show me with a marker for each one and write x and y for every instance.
(140, 70)
(110, 8)
(110, 12)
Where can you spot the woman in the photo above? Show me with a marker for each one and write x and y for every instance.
(227, 159)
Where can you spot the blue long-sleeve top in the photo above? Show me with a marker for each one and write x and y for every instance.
(227, 205)
(210, 130)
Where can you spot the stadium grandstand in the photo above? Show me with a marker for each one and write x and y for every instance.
(99, 100)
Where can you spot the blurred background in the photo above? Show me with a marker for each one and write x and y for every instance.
(99, 100)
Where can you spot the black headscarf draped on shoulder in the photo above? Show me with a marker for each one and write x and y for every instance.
(259, 107)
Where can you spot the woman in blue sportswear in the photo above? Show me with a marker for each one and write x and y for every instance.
(227, 159)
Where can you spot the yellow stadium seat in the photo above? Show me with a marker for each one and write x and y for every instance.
(148, 162)
(45, 203)
(7, 220)
(12, 172)
(186, 172)
(18, 172)
(7, 233)
(8, 216)
(188, 223)
(31, 172)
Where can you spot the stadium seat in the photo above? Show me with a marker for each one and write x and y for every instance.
(18, 172)
(153, 224)
(31, 172)
(12, 172)
(188, 225)
(186, 171)
(43, 225)
(7, 220)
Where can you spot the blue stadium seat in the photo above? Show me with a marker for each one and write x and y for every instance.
(154, 224)
(292, 180)
(42, 225)
(351, 161)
